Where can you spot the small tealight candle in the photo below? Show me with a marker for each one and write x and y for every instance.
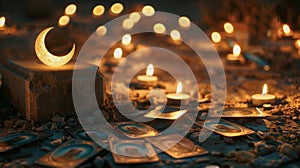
(126, 42)
(149, 79)
(263, 98)
(118, 52)
(235, 57)
(2, 22)
(228, 27)
(178, 97)
(286, 30)
(216, 37)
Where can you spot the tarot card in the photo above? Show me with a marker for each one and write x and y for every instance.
(135, 129)
(241, 112)
(168, 113)
(18, 139)
(70, 154)
(182, 149)
(132, 151)
(227, 128)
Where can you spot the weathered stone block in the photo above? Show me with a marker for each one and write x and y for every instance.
(37, 90)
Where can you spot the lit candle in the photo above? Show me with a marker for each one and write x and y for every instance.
(126, 42)
(235, 57)
(159, 28)
(263, 98)
(184, 22)
(178, 97)
(98, 10)
(116, 9)
(175, 37)
(149, 79)
(216, 37)
(63, 21)
(118, 52)
(2, 22)
(297, 45)
(287, 32)
(70, 10)
(148, 10)
(228, 27)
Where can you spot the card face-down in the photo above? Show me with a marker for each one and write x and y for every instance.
(135, 129)
(132, 151)
(70, 154)
(227, 128)
(18, 139)
(177, 149)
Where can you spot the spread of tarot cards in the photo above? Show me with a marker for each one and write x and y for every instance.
(71, 154)
(177, 146)
(227, 128)
(240, 112)
(135, 129)
(18, 139)
(132, 151)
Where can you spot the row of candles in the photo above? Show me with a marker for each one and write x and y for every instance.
(159, 28)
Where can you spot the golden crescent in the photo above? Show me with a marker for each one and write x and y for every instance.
(45, 56)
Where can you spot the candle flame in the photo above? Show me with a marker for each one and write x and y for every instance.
(175, 35)
(265, 89)
(101, 30)
(126, 39)
(135, 17)
(236, 50)
(184, 22)
(159, 28)
(228, 27)
(179, 87)
(118, 53)
(286, 29)
(216, 37)
(148, 10)
(297, 44)
(70, 10)
(116, 8)
(150, 70)
(98, 10)
(63, 21)
(2, 21)
(127, 24)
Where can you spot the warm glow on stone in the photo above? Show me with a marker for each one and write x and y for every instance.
(101, 30)
(228, 27)
(63, 21)
(184, 22)
(98, 10)
(148, 10)
(216, 37)
(70, 10)
(159, 28)
(116, 8)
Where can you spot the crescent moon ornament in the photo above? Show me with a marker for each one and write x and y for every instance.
(45, 56)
